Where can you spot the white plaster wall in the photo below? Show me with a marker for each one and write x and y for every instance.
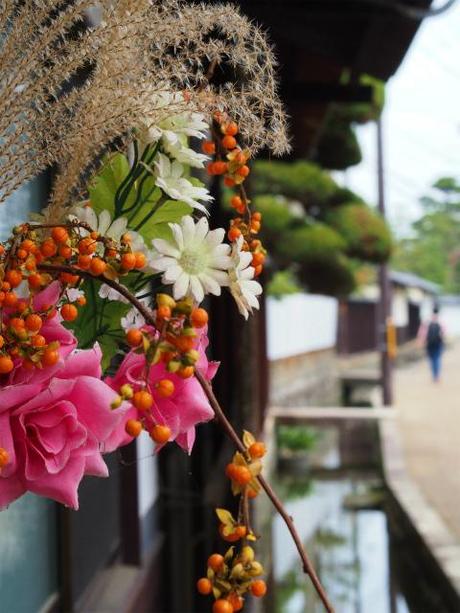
(300, 323)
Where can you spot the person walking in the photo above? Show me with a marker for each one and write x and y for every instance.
(431, 334)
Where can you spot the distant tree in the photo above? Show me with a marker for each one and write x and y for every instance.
(433, 252)
(313, 228)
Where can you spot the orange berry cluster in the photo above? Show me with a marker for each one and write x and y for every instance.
(172, 343)
(31, 247)
(231, 161)
(231, 577)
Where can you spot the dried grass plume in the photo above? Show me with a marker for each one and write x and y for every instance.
(78, 80)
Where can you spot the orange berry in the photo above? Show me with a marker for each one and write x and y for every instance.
(2, 341)
(2, 249)
(222, 606)
(17, 323)
(111, 253)
(229, 538)
(210, 169)
(142, 400)
(236, 601)
(97, 267)
(233, 234)
(141, 260)
(4, 457)
(255, 227)
(133, 427)
(22, 254)
(243, 171)
(163, 312)
(208, 147)
(94, 235)
(165, 388)
(199, 318)
(256, 216)
(216, 561)
(38, 341)
(231, 129)
(10, 300)
(257, 450)
(31, 265)
(27, 244)
(13, 277)
(236, 202)
(258, 270)
(33, 322)
(67, 277)
(230, 470)
(242, 475)
(35, 281)
(65, 252)
(48, 248)
(220, 167)
(81, 300)
(50, 357)
(126, 238)
(258, 588)
(69, 312)
(84, 261)
(128, 261)
(87, 246)
(134, 337)
(204, 586)
(229, 142)
(6, 365)
(160, 434)
(6, 286)
(186, 372)
(59, 234)
(229, 182)
(258, 259)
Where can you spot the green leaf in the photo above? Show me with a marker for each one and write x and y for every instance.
(104, 185)
(157, 226)
(97, 321)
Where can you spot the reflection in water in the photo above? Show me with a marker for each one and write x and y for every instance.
(349, 548)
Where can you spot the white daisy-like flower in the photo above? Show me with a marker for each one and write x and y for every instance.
(109, 293)
(196, 261)
(132, 319)
(169, 176)
(242, 285)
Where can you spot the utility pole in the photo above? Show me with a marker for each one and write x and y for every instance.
(384, 305)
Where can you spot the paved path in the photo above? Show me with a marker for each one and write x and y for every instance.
(430, 427)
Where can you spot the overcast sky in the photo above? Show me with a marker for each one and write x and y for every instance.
(421, 123)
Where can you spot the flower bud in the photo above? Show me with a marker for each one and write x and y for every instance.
(126, 391)
(116, 403)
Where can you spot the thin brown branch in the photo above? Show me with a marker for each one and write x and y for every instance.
(227, 426)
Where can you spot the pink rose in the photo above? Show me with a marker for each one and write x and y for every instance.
(56, 433)
(188, 405)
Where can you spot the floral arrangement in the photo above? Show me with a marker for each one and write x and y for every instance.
(103, 335)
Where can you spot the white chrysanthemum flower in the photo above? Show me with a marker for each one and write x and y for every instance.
(175, 145)
(174, 129)
(132, 319)
(242, 285)
(169, 176)
(196, 261)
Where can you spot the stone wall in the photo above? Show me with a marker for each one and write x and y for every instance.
(307, 379)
